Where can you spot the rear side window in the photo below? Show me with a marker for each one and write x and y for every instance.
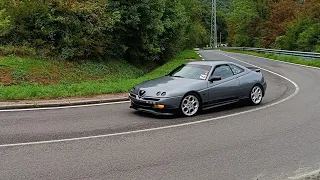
(236, 69)
(223, 71)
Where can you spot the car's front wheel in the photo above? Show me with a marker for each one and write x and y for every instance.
(190, 105)
(256, 95)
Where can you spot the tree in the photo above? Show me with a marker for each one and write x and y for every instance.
(282, 14)
(239, 21)
(4, 23)
(64, 29)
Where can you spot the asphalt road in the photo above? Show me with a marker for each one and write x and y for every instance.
(273, 143)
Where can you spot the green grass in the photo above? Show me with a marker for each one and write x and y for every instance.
(291, 59)
(46, 72)
(114, 77)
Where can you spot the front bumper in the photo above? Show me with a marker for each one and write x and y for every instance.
(147, 104)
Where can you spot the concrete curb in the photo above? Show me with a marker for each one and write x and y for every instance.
(51, 103)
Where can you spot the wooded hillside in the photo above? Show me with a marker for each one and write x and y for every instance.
(282, 24)
(137, 30)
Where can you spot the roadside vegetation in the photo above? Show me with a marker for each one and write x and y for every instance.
(285, 58)
(280, 24)
(29, 78)
(140, 32)
(67, 48)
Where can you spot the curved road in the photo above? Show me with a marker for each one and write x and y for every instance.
(277, 142)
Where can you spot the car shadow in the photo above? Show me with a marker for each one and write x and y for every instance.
(149, 115)
(229, 107)
(234, 106)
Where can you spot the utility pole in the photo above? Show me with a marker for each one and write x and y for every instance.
(213, 39)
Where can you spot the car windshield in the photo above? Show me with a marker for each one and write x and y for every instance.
(191, 71)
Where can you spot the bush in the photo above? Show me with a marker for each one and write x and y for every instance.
(65, 29)
(17, 51)
(142, 32)
(4, 23)
(304, 35)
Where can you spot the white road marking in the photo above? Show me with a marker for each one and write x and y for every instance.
(312, 173)
(312, 67)
(305, 176)
(172, 126)
(64, 107)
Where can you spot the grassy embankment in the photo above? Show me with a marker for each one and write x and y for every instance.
(290, 59)
(29, 78)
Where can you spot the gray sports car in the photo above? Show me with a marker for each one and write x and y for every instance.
(199, 85)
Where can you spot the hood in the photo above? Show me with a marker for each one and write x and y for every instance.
(173, 86)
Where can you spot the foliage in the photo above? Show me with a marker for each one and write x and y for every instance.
(17, 51)
(283, 24)
(174, 38)
(304, 35)
(4, 23)
(239, 23)
(140, 31)
(282, 14)
(195, 30)
(65, 29)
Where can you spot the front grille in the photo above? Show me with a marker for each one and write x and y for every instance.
(151, 99)
(142, 104)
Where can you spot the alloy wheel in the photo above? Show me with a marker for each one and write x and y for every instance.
(256, 95)
(190, 105)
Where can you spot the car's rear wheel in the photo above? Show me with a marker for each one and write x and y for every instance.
(256, 95)
(190, 105)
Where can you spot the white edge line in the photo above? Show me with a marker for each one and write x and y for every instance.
(172, 126)
(303, 176)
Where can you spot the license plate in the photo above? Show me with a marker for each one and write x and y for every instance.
(149, 102)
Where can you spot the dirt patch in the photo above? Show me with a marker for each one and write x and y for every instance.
(5, 76)
(44, 76)
(43, 79)
(193, 59)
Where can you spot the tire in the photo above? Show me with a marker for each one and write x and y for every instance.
(256, 95)
(190, 105)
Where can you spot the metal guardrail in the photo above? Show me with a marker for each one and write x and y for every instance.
(309, 55)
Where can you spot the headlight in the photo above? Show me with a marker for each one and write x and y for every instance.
(158, 93)
(161, 93)
(132, 89)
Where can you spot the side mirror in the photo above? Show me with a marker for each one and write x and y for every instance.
(215, 78)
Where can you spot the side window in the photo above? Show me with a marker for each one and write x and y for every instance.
(224, 71)
(236, 69)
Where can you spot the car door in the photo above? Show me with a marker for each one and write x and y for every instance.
(244, 86)
(226, 89)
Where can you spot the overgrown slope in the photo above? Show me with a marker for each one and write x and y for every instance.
(25, 78)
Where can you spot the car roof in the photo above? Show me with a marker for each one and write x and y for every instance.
(210, 62)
